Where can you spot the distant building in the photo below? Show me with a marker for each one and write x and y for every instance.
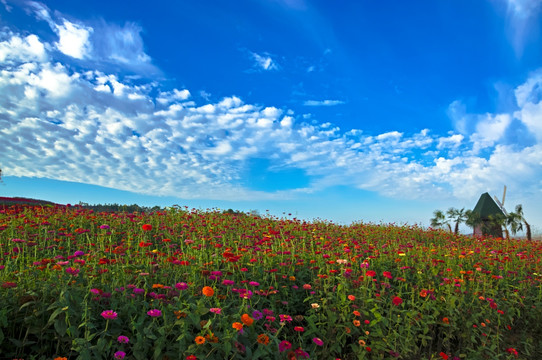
(486, 209)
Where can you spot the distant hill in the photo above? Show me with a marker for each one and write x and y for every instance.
(22, 200)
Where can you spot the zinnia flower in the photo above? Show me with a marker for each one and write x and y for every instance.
(146, 227)
(237, 326)
(397, 301)
(263, 339)
(208, 291)
(199, 340)
(215, 310)
(154, 313)
(123, 339)
(318, 341)
(120, 355)
(109, 314)
(284, 345)
(181, 286)
(247, 320)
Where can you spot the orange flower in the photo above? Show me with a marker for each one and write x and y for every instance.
(200, 340)
(356, 323)
(208, 291)
(247, 320)
(445, 320)
(263, 339)
(357, 313)
(211, 338)
(423, 293)
(157, 286)
(351, 297)
(237, 325)
(61, 358)
(180, 314)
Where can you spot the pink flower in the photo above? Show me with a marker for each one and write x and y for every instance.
(318, 341)
(215, 310)
(181, 286)
(284, 345)
(397, 301)
(109, 315)
(72, 271)
(120, 355)
(123, 339)
(154, 313)
(387, 274)
(299, 329)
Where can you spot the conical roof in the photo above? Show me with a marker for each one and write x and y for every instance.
(486, 206)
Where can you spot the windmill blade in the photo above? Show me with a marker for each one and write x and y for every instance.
(503, 195)
(500, 205)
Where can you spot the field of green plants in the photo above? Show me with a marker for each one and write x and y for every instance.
(188, 284)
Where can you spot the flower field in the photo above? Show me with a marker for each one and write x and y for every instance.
(181, 284)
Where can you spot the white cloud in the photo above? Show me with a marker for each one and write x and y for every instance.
(29, 48)
(99, 41)
(73, 39)
(98, 128)
(264, 62)
(323, 102)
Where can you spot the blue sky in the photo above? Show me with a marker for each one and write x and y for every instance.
(345, 110)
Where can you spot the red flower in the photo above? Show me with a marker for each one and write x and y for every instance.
(443, 355)
(397, 301)
(147, 227)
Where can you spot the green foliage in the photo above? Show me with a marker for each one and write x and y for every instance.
(365, 291)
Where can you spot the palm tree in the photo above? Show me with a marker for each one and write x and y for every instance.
(458, 216)
(495, 225)
(519, 212)
(514, 221)
(440, 220)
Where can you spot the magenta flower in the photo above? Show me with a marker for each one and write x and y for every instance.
(154, 313)
(318, 341)
(215, 310)
(72, 271)
(257, 315)
(120, 355)
(123, 339)
(109, 314)
(228, 282)
(284, 345)
(181, 286)
(254, 283)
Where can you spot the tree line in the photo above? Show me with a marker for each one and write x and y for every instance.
(512, 223)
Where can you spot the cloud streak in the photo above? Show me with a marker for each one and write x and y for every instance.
(323, 102)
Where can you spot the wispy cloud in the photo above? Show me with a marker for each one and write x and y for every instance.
(522, 15)
(97, 41)
(264, 62)
(323, 102)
